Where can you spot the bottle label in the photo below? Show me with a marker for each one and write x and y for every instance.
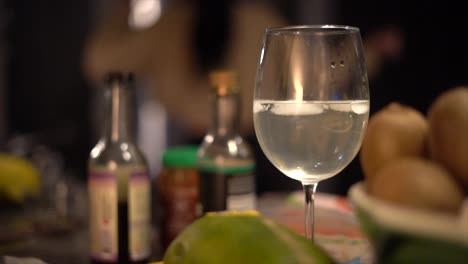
(125, 184)
(228, 188)
(240, 192)
(139, 215)
(102, 188)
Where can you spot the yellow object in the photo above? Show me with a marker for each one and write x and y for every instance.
(18, 178)
(241, 237)
(232, 213)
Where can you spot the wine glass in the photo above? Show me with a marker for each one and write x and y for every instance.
(311, 103)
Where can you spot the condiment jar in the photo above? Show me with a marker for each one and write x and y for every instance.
(178, 186)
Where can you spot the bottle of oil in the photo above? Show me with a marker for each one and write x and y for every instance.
(119, 185)
(226, 163)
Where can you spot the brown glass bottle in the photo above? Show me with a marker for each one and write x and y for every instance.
(226, 163)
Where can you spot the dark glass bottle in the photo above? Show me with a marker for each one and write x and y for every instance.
(227, 180)
(119, 185)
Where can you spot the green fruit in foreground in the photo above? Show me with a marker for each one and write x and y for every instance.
(242, 237)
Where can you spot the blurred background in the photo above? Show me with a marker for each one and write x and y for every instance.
(54, 53)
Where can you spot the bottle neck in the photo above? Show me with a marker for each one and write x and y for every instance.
(118, 125)
(226, 115)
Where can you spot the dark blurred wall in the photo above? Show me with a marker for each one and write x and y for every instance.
(3, 68)
(435, 53)
(434, 57)
(47, 94)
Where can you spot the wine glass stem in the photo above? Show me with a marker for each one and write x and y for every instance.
(309, 191)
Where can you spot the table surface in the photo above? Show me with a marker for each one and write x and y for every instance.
(337, 231)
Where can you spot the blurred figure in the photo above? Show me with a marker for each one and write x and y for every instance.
(189, 39)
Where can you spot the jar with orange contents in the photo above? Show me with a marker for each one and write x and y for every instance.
(178, 186)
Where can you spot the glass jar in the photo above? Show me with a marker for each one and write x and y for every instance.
(178, 186)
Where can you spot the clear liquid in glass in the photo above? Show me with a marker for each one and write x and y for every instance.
(310, 140)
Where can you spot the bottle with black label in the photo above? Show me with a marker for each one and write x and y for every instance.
(118, 185)
(226, 163)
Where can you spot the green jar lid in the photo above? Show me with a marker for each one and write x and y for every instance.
(181, 156)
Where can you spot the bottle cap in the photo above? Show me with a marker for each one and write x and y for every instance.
(224, 82)
(181, 156)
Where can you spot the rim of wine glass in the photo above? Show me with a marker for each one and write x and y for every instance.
(339, 29)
